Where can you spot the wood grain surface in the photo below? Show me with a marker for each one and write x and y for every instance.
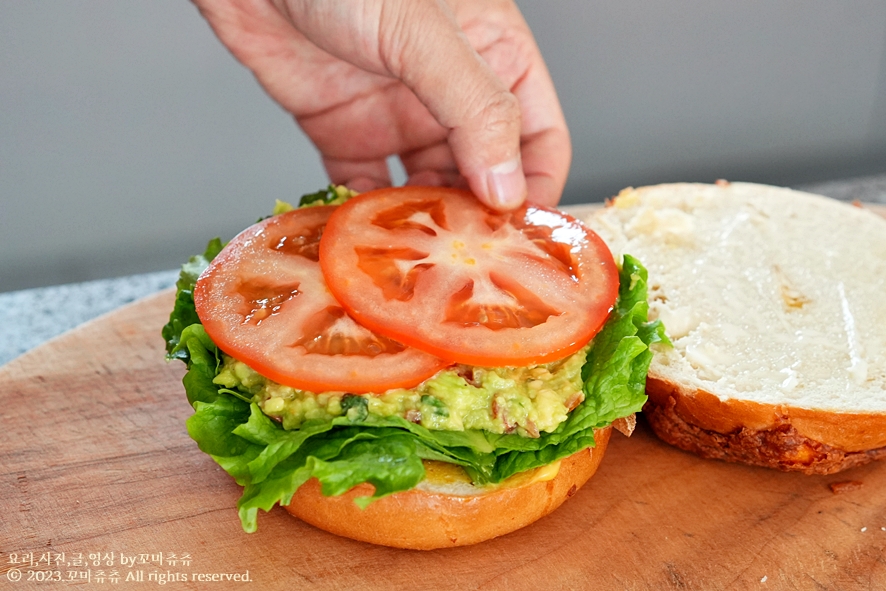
(96, 460)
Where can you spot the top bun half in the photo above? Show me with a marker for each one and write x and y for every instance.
(775, 301)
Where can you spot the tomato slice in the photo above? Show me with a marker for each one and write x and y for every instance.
(434, 269)
(263, 301)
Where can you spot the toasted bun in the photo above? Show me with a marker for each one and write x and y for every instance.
(445, 510)
(774, 300)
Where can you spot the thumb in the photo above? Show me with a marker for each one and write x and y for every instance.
(428, 51)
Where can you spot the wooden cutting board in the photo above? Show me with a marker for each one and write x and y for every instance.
(100, 487)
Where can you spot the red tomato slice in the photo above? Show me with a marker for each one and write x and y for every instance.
(435, 269)
(264, 302)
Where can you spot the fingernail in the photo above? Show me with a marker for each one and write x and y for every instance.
(506, 185)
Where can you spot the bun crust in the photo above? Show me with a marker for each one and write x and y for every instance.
(438, 515)
(780, 437)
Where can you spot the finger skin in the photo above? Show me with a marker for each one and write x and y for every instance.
(359, 175)
(366, 79)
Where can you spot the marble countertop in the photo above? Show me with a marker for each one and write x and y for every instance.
(32, 316)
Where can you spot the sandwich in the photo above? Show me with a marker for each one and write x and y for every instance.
(406, 367)
(774, 302)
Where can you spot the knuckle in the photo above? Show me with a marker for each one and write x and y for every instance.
(501, 113)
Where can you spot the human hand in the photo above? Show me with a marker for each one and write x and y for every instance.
(457, 89)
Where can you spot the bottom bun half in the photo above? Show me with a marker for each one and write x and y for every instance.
(445, 510)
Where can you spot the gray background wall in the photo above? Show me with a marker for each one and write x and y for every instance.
(129, 136)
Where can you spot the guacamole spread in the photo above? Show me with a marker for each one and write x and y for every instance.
(523, 400)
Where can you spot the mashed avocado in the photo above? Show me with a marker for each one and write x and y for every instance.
(523, 400)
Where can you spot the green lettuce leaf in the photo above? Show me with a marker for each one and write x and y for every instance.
(271, 463)
(183, 313)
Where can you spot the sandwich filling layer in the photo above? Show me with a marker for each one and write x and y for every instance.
(523, 400)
